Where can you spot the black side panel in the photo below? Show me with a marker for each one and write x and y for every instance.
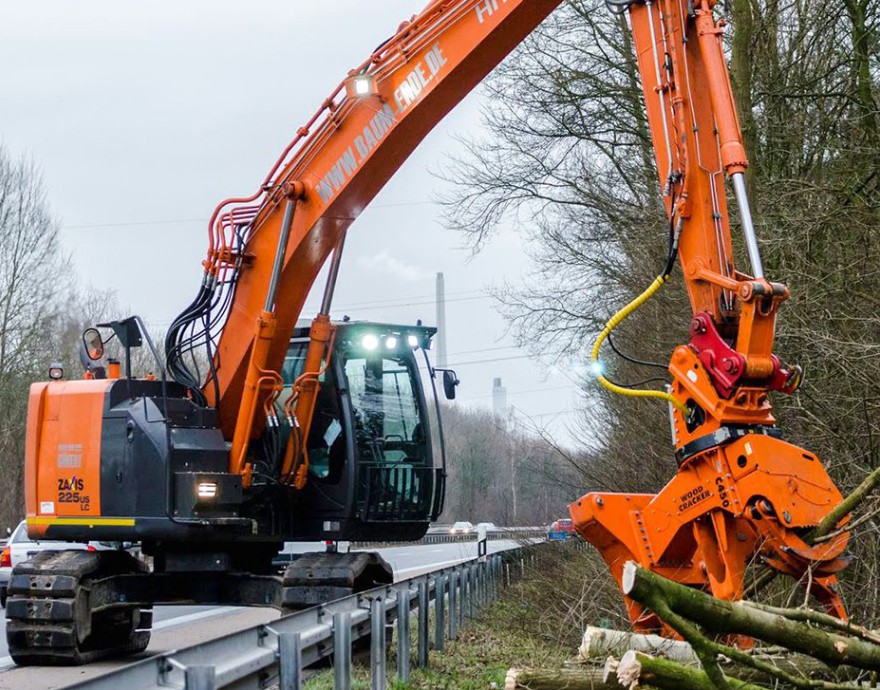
(135, 454)
(133, 459)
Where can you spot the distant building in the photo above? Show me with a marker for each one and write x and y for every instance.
(441, 322)
(499, 398)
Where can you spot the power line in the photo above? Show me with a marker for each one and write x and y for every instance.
(91, 226)
(489, 361)
(395, 301)
(121, 224)
(532, 390)
(486, 349)
(367, 305)
(308, 309)
(548, 414)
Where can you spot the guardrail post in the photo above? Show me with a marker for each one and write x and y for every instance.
(462, 596)
(377, 643)
(472, 590)
(491, 580)
(290, 661)
(439, 610)
(467, 594)
(423, 623)
(453, 608)
(462, 583)
(342, 651)
(403, 635)
(200, 678)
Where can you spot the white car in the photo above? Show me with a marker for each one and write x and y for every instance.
(21, 547)
(462, 527)
(488, 526)
(5, 574)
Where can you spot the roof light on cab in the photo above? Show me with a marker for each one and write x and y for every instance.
(369, 342)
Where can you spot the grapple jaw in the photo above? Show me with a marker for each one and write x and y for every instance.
(752, 499)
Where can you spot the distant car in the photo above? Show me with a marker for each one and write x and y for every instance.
(488, 526)
(561, 530)
(22, 547)
(5, 574)
(462, 527)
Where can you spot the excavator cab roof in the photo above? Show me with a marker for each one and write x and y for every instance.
(371, 334)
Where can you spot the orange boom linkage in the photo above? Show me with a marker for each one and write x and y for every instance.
(741, 492)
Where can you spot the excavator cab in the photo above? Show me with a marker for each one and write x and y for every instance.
(375, 467)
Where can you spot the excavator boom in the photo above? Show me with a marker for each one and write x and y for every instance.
(338, 161)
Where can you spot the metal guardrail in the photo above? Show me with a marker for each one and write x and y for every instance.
(278, 653)
(445, 537)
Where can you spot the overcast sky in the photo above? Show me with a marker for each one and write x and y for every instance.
(142, 116)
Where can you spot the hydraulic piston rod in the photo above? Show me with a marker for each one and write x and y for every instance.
(748, 227)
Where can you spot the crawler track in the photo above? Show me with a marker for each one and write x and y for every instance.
(50, 616)
(316, 578)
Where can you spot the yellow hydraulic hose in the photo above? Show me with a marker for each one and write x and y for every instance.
(610, 326)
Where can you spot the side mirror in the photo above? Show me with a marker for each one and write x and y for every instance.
(450, 381)
(8, 531)
(93, 343)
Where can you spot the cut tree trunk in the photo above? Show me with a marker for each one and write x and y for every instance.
(600, 643)
(637, 669)
(559, 679)
(724, 617)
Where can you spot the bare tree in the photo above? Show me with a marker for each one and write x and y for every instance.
(34, 286)
(500, 471)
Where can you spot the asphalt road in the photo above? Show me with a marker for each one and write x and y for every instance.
(175, 627)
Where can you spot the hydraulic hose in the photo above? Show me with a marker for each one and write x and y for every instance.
(613, 322)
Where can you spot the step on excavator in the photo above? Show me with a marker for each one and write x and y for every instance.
(322, 431)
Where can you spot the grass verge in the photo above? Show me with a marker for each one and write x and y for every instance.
(538, 622)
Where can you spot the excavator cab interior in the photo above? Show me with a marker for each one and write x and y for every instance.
(374, 462)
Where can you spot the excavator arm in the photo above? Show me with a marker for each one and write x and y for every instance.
(266, 249)
(741, 493)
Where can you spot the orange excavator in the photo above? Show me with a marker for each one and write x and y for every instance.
(262, 429)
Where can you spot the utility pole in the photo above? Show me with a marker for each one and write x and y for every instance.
(441, 322)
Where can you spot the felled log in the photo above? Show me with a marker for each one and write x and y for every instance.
(637, 669)
(739, 618)
(558, 679)
(600, 643)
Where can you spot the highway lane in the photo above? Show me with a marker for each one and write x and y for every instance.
(180, 626)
